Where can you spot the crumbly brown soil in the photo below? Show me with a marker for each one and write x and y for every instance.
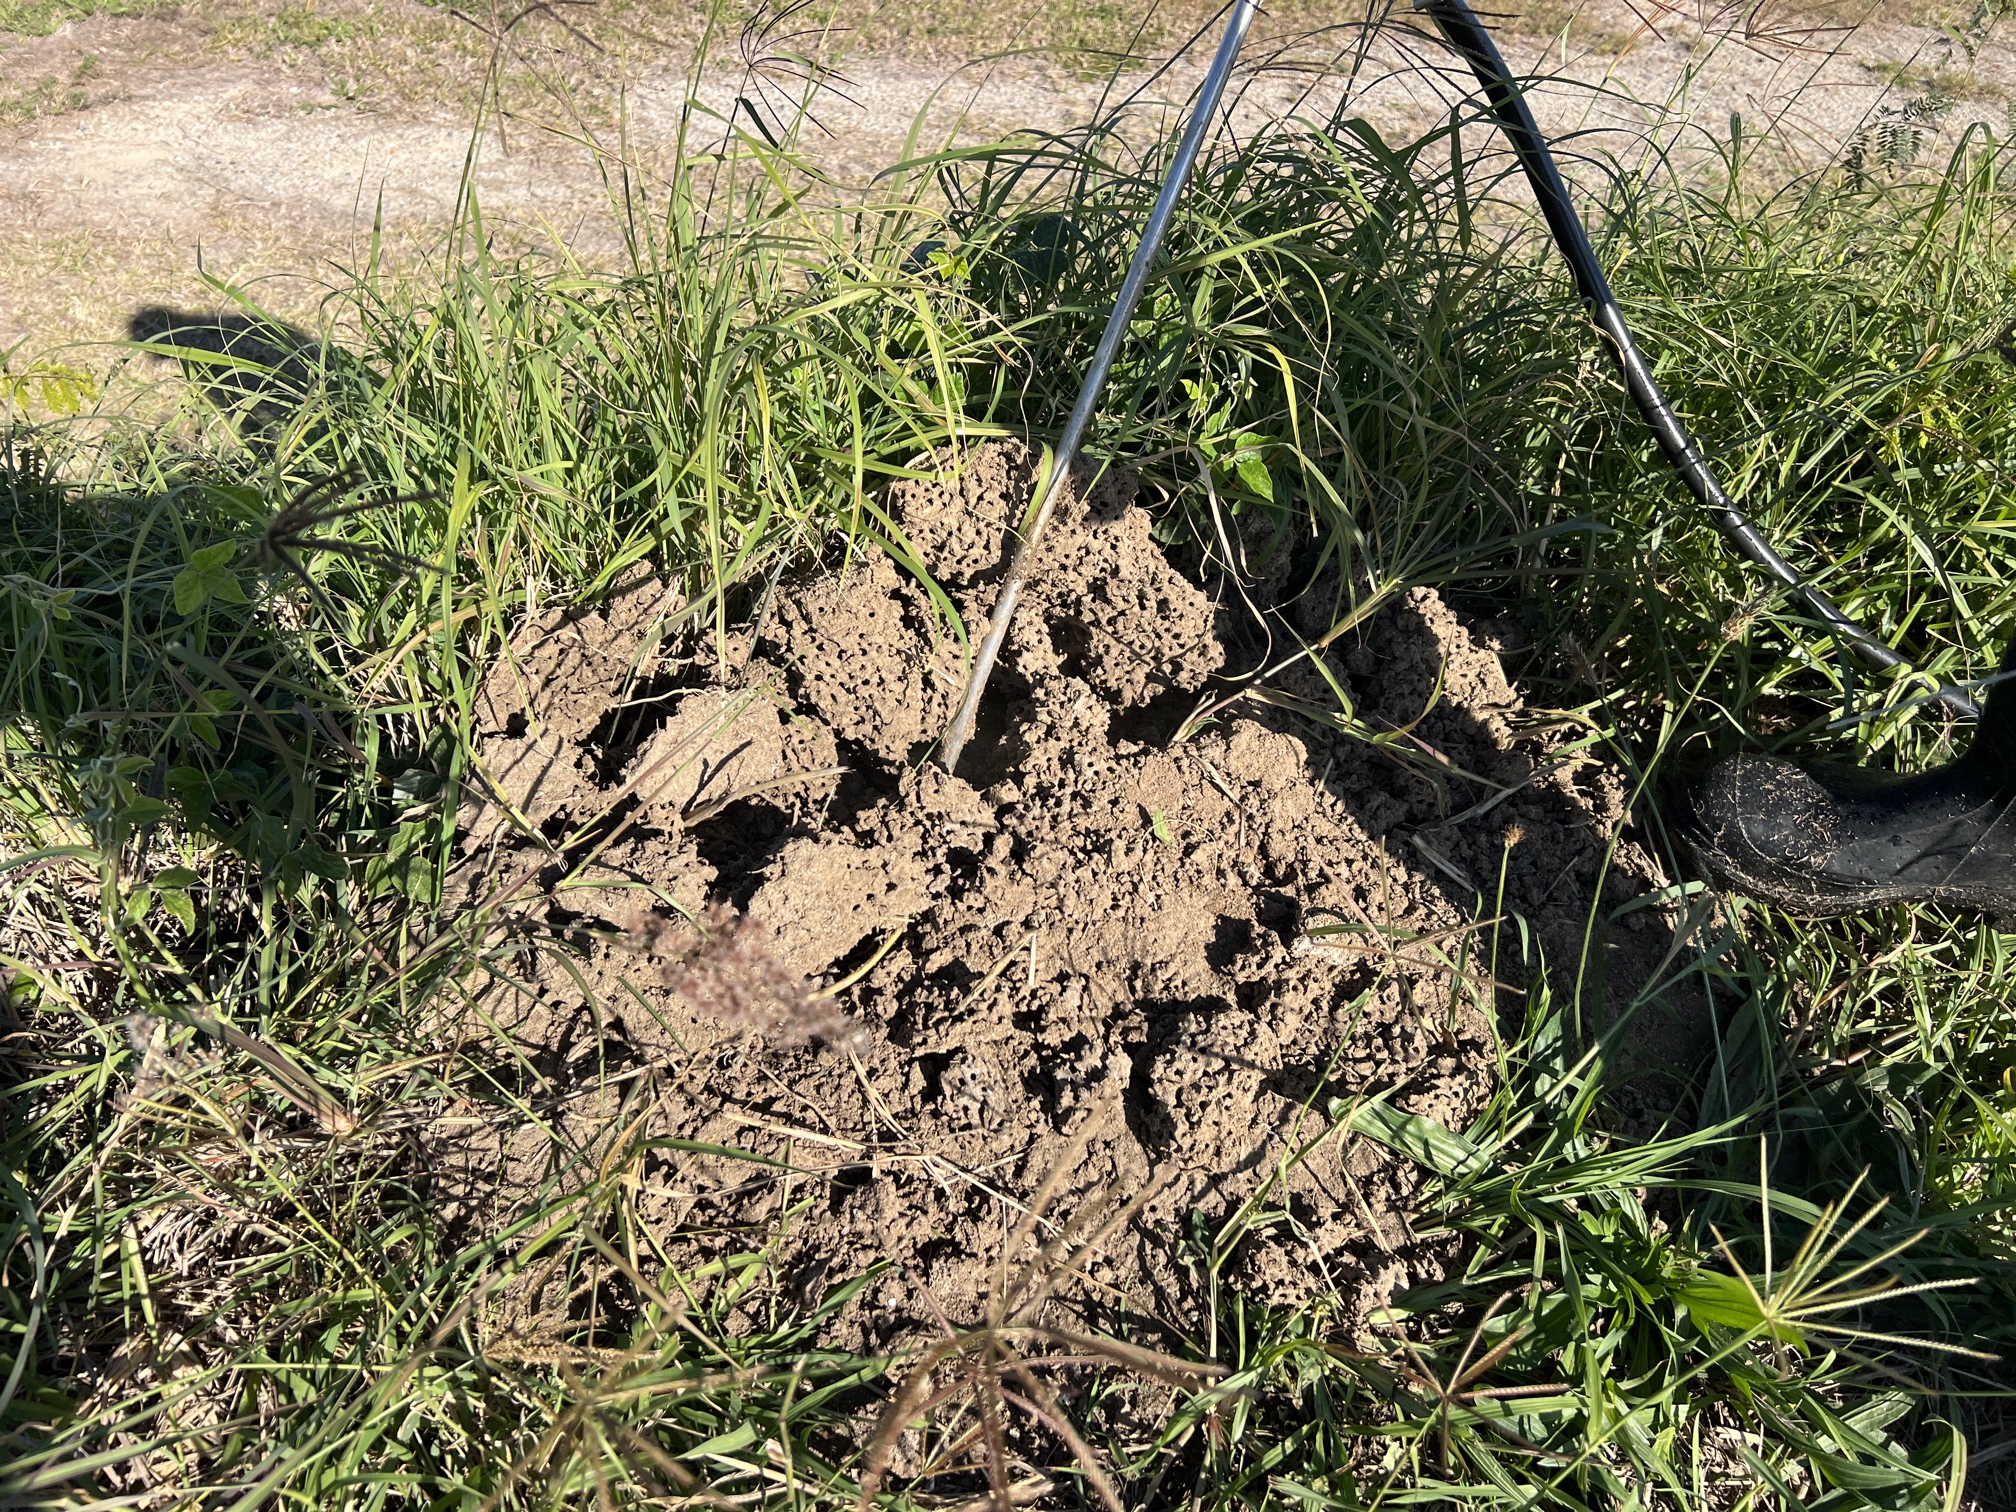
(1161, 962)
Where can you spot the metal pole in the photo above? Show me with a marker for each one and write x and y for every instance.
(1466, 34)
(961, 728)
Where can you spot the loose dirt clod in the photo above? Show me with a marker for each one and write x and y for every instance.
(1190, 954)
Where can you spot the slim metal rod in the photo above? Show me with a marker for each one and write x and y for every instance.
(1201, 117)
(1460, 26)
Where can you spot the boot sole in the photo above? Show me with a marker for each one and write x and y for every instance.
(1806, 902)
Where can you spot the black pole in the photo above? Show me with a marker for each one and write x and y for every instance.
(1466, 34)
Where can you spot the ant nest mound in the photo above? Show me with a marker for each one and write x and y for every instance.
(1167, 965)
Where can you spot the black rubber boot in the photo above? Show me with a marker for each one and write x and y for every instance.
(1826, 838)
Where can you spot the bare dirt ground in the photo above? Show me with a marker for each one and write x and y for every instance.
(1165, 969)
(260, 146)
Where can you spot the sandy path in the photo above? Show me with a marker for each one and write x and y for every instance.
(270, 178)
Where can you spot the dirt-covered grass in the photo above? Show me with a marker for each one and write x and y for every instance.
(266, 997)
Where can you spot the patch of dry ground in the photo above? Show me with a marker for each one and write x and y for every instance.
(1169, 962)
(270, 141)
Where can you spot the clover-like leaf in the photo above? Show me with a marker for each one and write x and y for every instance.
(1251, 463)
(141, 809)
(208, 576)
(319, 862)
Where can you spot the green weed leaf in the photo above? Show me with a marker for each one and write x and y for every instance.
(208, 576)
(189, 785)
(406, 866)
(63, 390)
(318, 862)
(1250, 463)
(143, 810)
(179, 906)
(1450, 1156)
(1726, 1302)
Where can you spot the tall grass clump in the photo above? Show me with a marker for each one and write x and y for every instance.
(1842, 347)
(237, 718)
(1331, 343)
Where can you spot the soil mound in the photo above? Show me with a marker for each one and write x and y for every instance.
(1159, 961)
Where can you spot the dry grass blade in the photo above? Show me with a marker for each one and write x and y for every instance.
(985, 1357)
(1449, 1393)
(913, 1397)
(1045, 1409)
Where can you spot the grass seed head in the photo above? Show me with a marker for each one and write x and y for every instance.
(1738, 624)
(726, 965)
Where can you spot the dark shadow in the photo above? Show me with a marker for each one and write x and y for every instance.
(739, 843)
(1462, 804)
(256, 370)
(996, 749)
(1230, 939)
(1154, 723)
(640, 714)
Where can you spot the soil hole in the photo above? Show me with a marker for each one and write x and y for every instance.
(1154, 723)
(997, 749)
(739, 843)
(846, 1182)
(629, 724)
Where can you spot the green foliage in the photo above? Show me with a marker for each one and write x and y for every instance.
(1841, 354)
(60, 389)
(208, 576)
(231, 756)
(38, 18)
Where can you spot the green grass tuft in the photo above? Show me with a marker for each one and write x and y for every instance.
(229, 780)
